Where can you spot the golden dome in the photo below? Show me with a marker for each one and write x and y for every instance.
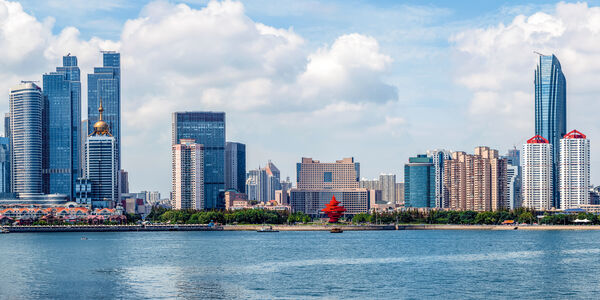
(101, 127)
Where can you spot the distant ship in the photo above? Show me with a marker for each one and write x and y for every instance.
(267, 229)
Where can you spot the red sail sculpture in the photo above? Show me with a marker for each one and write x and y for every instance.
(333, 210)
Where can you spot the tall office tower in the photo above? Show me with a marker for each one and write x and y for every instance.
(105, 85)
(257, 185)
(388, 188)
(419, 182)
(188, 175)
(61, 135)
(208, 129)
(26, 107)
(551, 108)
(83, 134)
(317, 182)
(7, 125)
(286, 184)
(273, 180)
(153, 197)
(513, 157)
(537, 191)
(438, 157)
(4, 165)
(476, 182)
(235, 166)
(574, 170)
(123, 182)
(101, 165)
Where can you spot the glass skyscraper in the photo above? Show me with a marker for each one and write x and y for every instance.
(207, 129)
(551, 106)
(105, 83)
(4, 165)
(26, 139)
(61, 128)
(235, 166)
(419, 182)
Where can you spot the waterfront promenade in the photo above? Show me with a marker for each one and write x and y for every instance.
(201, 227)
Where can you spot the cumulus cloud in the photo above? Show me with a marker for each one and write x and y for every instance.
(178, 58)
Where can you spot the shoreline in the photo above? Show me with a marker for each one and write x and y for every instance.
(196, 227)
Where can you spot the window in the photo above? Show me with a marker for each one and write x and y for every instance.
(327, 177)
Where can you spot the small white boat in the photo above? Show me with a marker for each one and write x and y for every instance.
(267, 229)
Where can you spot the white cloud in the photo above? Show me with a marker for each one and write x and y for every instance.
(216, 58)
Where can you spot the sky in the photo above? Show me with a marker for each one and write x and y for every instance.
(379, 81)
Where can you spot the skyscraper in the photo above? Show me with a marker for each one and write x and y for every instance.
(574, 170)
(26, 139)
(101, 158)
(61, 135)
(551, 108)
(273, 180)
(419, 182)
(537, 191)
(83, 135)
(4, 165)
(438, 157)
(208, 129)
(388, 187)
(257, 185)
(188, 175)
(514, 176)
(105, 84)
(235, 166)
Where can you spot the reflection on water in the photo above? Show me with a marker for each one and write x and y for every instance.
(233, 265)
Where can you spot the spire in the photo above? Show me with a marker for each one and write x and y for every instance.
(100, 110)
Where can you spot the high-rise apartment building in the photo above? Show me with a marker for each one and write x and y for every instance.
(101, 165)
(26, 107)
(188, 175)
(551, 108)
(273, 180)
(438, 157)
(61, 132)
(419, 182)
(388, 187)
(400, 193)
(574, 170)
(317, 182)
(207, 129)
(257, 185)
(514, 176)
(123, 182)
(105, 85)
(235, 166)
(537, 168)
(476, 182)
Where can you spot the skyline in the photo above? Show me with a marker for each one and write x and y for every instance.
(384, 98)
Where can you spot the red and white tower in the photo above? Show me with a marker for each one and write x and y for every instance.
(574, 170)
(537, 173)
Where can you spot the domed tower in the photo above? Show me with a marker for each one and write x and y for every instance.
(101, 164)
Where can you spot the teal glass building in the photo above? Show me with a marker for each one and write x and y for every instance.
(208, 129)
(419, 182)
(61, 128)
(551, 107)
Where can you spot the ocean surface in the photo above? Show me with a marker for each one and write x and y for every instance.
(301, 265)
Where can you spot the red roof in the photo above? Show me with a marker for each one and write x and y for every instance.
(538, 139)
(574, 135)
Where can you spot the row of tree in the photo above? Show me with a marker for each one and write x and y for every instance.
(247, 216)
(259, 216)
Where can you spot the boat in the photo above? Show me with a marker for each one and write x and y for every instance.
(267, 229)
(4, 230)
(336, 230)
(84, 238)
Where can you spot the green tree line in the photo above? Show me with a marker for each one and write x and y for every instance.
(246, 216)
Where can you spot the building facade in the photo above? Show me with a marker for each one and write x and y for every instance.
(439, 156)
(26, 107)
(61, 135)
(104, 85)
(574, 170)
(4, 165)
(537, 184)
(207, 129)
(419, 182)
(188, 175)
(476, 182)
(551, 108)
(388, 188)
(101, 165)
(317, 182)
(235, 166)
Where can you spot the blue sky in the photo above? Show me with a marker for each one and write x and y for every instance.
(379, 81)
